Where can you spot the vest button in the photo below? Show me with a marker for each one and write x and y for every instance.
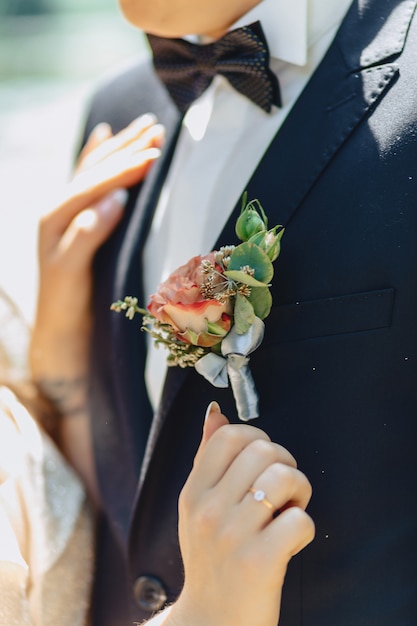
(149, 593)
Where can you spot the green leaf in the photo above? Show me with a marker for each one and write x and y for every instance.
(215, 329)
(243, 314)
(250, 254)
(261, 300)
(244, 200)
(191, 336)
(257, 206)
(241, 277)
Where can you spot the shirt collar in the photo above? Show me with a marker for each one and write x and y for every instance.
(291, 26)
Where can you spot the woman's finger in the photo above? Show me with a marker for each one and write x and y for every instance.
(107, 163)
(117, 142)
(219, 452)
(279, 486)
(124, 168)
(244, 471)
(289, 533)
(89, 229)
(100, 133)
(129, 162)
(213, 420)
(124, 171)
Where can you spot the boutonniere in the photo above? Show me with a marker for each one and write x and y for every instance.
(209, 313)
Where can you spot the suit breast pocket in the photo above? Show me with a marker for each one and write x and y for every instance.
(337, 315)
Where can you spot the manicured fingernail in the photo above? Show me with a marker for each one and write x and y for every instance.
(145, 120)
(213, 407)
(114, 201)
(102, 130)
(152, 154)
(120, 196)
(158, 129)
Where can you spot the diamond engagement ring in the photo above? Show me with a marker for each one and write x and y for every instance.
(260, 496)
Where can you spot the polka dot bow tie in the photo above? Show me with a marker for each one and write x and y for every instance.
(241, 56)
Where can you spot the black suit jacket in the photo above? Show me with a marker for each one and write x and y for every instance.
(337, 371)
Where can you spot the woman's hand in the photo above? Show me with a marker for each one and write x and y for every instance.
(235, 547)
(69, 237)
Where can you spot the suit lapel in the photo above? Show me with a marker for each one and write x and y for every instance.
(352, 79)
(132, 410)
(128, 276)
(130, 256)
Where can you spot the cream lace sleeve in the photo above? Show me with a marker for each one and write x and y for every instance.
(46, 528)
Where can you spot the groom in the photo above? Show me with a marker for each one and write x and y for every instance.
(331, 154)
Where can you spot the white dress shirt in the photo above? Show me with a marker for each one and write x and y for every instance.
(223, 137)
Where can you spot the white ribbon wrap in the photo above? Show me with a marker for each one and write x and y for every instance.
(233, 366)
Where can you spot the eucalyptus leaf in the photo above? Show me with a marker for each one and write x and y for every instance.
(250, 254)
(261, 300)
(244, 314)
(241, 277)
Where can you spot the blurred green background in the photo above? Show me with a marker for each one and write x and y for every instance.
(52, 53)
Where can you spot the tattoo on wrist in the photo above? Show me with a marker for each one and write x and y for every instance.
(68, 395)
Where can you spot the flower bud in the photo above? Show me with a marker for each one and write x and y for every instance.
(269, 241)
(250, 221)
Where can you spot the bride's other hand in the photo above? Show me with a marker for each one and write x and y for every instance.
(241, 519)
(69, 236)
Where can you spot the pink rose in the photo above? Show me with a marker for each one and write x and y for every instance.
(179, 303)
